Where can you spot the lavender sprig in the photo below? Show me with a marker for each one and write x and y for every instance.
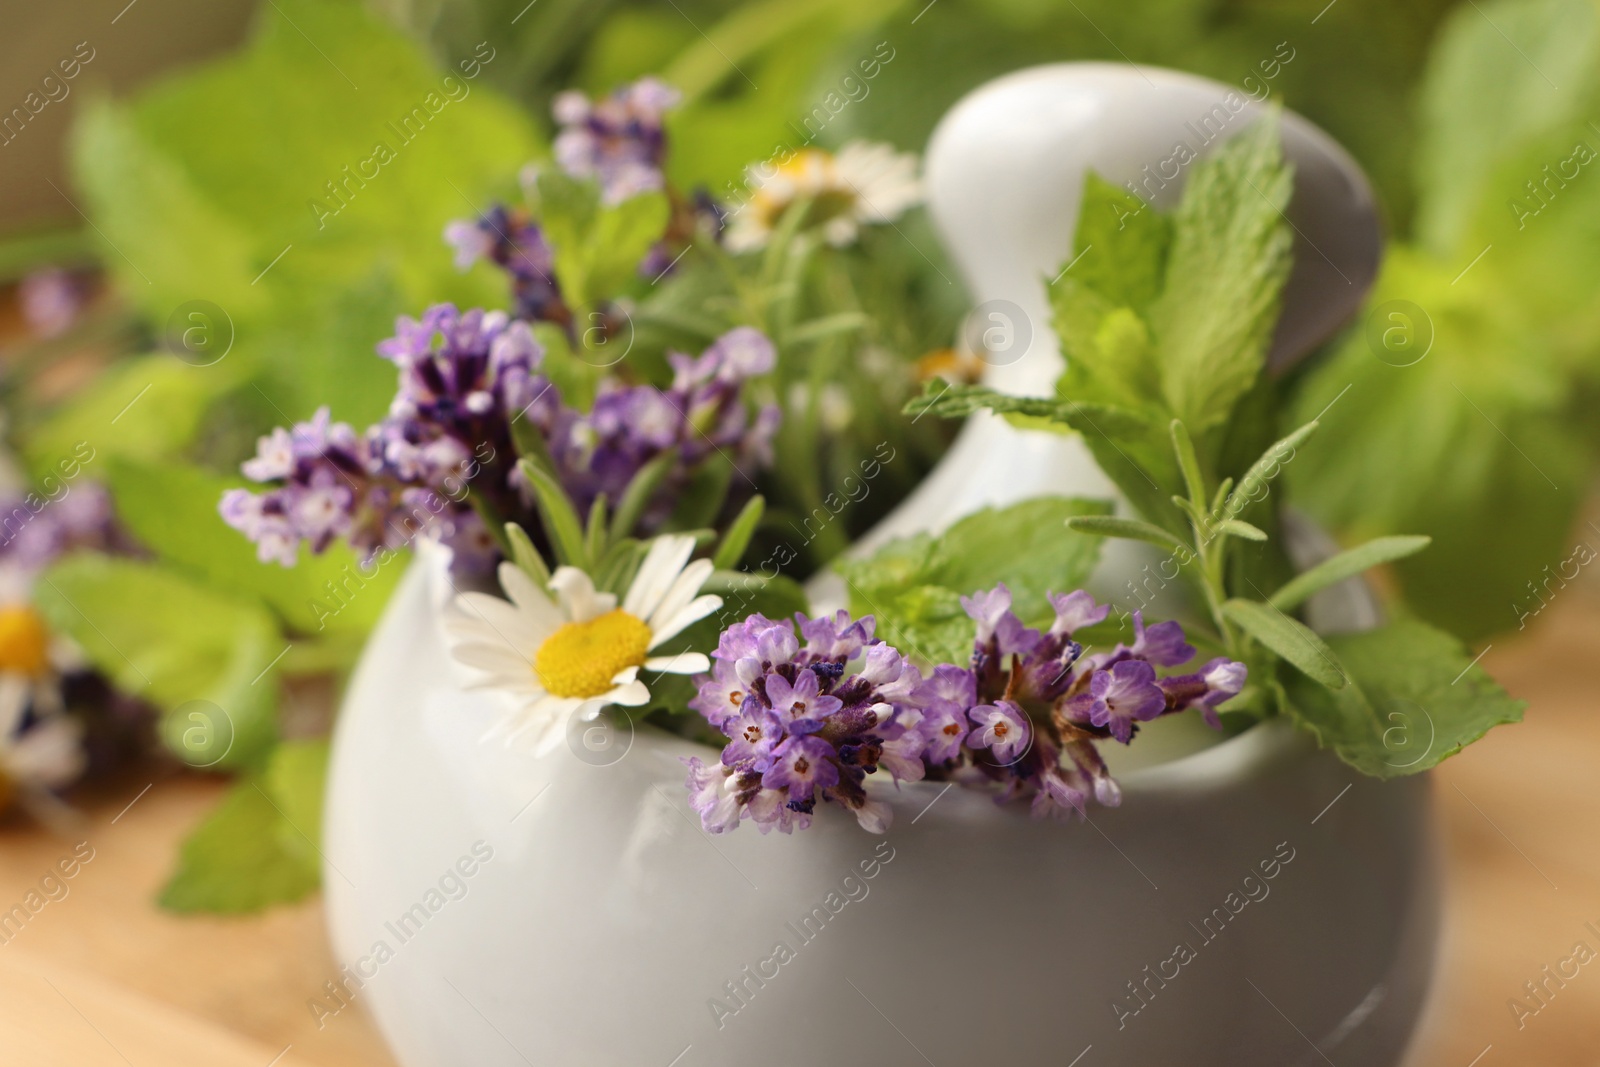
(1025, 716)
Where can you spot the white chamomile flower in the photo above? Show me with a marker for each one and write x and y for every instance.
(863, 183)
(41, 748)
(580, 652)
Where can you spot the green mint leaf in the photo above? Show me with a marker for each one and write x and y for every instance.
(1501, 76)
(1119, 250)
(1023, 545)
(294, 781)
(596, 247)
(168, 639)
(255, 182)
(158, 402)
(171, 508)
(914, 585)
(1292, 640)
(1346, 564)
(260, 846)
(1416, 700)
(1229, 259)
(1488, 422)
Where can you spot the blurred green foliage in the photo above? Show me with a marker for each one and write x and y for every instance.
(754, 68)
(1472, 381)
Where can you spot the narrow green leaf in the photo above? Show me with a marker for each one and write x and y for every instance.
(1291, 640)
(1268, 467)
(1346, 564)
(1188, 463)
(615, 572)
(737, 539)
(561, 522)
(1239, 528)
(595, 532)
(524, 555)
(1128, 529)
(530, 443)
(828, 326)
(636, 497)
(1222, 494)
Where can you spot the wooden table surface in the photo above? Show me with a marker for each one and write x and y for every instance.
(101, 977)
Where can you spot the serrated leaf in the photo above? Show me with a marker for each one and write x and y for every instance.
(295, 782)
(1292, 640)
(1119, 249)
(1229, 259)
(1346, 564)
(1417, 698)
(914, 585)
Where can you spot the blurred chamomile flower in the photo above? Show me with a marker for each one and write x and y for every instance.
(863, 183)
(41, 748)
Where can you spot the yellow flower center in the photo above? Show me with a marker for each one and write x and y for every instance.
(581, 658)
(809, 167)
(24, 641)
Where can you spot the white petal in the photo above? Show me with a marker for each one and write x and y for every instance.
(493, 657)
(14, 690)
(527, 596)
(695, 611)
(48, 755)
(480, 617)
(578, 596)
(682, 663)
(660, 568)
(625, 675)
(631, 695)
(682, 590)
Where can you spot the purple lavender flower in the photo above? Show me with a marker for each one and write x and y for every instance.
(35, 530)
(618, 139)
(1001, 728)
(510, 239)
(834, 727)
(465, 377)
(1220, 680)
(51, 301)
(701, 415)
(1119, 697)
(333, 485)
(1026, 717)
